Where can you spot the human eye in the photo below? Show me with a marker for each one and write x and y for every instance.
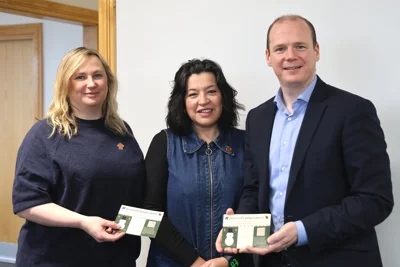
(98, 76)
(300, 47)
(279, 50)
(80, 77)
(192, 95)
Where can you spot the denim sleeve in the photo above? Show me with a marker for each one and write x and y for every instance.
(301, 234)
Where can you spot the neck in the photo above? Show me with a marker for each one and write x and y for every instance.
(207, 134)
(88, 113)
(289, 97)
(291, 92)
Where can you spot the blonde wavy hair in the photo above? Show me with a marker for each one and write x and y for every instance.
(60, 114)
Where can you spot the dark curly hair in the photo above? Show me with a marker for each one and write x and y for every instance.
(177, 118)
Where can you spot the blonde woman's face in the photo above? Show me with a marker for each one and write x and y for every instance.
(88, 85)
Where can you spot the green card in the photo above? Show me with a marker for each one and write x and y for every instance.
(243, 230)
(140, 222)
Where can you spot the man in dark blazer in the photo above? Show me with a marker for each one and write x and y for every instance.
(316, 160)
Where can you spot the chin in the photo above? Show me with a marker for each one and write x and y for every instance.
(206, 124)
(92, 103)
(294, 81)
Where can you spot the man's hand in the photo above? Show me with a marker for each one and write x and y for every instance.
(217, 262)
(277, 242)
(218, 243)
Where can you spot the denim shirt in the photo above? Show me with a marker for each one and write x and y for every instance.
(204, 180)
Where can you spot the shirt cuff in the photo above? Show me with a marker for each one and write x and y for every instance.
(301, 234)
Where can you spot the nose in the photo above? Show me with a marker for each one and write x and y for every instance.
(290, 53)
(90, 81)
(203, 99)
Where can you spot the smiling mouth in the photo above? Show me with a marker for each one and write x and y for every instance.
(205, 111)
(292, 68)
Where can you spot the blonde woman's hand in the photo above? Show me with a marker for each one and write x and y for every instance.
(99, 229)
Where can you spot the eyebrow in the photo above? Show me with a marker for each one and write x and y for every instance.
(83, 73)
(208, 87)
(300, 43)
(296, 43)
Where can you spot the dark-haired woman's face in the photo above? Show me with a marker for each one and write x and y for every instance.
(203, 100)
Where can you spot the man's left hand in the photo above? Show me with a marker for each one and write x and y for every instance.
(278, 241)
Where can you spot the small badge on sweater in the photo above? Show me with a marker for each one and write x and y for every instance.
(120, 146)
(228, 149)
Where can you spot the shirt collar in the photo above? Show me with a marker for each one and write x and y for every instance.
(305, 95)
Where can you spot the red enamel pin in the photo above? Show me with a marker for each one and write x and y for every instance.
(120, 146)
(228, 149)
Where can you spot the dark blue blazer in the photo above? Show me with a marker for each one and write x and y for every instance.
(339, 184)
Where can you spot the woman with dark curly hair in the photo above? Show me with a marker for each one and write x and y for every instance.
(194, 168)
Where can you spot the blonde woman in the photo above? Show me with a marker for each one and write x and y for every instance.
(74, 170)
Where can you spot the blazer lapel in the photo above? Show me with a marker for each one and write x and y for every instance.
(264, 132)
(312, 117)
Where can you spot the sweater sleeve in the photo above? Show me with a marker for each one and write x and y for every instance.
(34, 172)
(169, 240)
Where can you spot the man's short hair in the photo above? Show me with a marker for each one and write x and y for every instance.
(294, 17)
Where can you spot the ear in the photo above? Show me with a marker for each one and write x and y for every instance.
(316, 50)
(268, 57)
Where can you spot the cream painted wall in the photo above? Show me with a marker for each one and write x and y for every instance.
(89, 4)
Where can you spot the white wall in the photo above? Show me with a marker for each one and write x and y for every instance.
(359, 52)
(58, 39)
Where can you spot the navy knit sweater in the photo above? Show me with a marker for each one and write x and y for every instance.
(93, 173)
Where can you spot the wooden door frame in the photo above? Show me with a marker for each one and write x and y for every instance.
(107, 32)
(104, 19)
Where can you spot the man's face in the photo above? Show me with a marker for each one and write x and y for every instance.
(291, 54)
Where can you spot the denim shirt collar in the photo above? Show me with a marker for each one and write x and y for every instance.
(191, 142)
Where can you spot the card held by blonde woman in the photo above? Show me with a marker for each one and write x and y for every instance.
(242, 230)
(140, 222)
